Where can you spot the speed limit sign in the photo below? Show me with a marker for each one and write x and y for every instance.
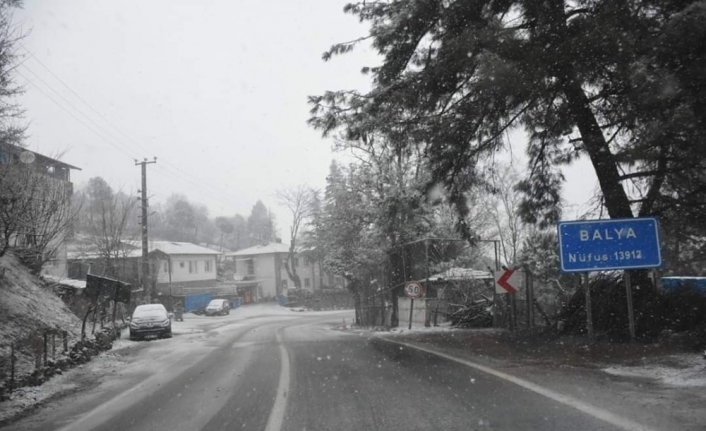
(413, 290)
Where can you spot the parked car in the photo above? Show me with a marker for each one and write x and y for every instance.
(218, 306)
(150, 321)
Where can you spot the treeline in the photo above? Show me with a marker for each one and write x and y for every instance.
(109, 216)
(621, 84)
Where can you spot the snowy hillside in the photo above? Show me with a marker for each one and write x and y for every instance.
(27, 308)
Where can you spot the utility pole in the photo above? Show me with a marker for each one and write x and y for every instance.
(143, 223)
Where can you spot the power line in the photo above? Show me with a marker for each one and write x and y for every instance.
(118, 129)
(74, 116)
(108, 133)
(78, 96)
(178, 172)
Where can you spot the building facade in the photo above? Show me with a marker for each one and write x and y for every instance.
(179, 266)
(32, 176)
(265, 264)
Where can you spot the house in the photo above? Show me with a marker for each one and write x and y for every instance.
(175, 267)
(179, 266)
(265, 263)
(53, 183)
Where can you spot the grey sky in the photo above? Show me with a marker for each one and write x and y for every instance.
(215, 89)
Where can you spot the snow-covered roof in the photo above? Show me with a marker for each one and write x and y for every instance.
(77, 284)
(462, 274)
(134, 249)
(273, 247)
(169, 247)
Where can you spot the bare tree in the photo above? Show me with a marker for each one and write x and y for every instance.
(35, 210)
(504, 208)
(109, 219)
(299, 201)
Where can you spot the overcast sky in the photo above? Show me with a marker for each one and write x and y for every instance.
(216, 90)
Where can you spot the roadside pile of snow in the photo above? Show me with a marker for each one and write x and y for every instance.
(27, 309)
(684, 370)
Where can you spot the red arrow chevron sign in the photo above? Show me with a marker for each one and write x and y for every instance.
(508, 281)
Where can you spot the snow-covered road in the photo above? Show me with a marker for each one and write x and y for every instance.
(269, 368)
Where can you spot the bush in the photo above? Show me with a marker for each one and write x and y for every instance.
(655, 311)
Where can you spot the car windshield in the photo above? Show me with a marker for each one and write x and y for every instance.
(149, 311)
(352, 215)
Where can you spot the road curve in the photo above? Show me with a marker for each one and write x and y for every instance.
(297, 373)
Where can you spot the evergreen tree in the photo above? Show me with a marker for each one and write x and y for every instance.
(618, 82)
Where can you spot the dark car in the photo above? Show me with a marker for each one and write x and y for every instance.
(150, 321)
(218, 306)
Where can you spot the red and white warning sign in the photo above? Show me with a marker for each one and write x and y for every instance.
(508, 281)
(413, 289)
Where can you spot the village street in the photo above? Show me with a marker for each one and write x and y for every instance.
(265, 367)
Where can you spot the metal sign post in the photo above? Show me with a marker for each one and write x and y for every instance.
(589, 313)
(631, 314)
(529, 296)
(413, 290)
(509, 281)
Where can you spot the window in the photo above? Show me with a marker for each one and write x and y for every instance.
(251, 267)
(284, 284)
(207, 266)
(193, 266)
(307, 283)
(181, 265)
(296, 262)
(166, 266)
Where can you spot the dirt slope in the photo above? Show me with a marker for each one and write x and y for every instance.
(27, 308)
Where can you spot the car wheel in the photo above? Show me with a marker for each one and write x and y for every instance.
(168, 335)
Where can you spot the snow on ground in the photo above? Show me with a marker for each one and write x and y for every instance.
(27, 308)
(162, 354)
(31, 396)
(685, 370)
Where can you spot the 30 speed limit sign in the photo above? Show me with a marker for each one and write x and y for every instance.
(413, 290)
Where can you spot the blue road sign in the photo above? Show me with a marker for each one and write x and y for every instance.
(601, 245)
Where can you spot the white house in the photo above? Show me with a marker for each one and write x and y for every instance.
(265, 264)
(181, 265)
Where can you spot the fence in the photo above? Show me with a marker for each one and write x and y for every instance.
(450, 271)
(197, 301)
(40, 347)
(454, 274)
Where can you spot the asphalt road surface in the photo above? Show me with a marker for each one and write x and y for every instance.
(297, 372)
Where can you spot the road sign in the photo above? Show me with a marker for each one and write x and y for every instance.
(413, 290)
(508, 281)
(602, 245)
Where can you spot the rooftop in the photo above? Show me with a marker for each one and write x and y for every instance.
(271, 248)
(17, 153)
(86, 250)
(170, 247)
(457, 274)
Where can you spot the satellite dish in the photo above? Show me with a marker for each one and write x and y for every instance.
(27, 157)
(238, 277)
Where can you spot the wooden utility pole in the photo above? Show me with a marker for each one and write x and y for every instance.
(143, 223)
